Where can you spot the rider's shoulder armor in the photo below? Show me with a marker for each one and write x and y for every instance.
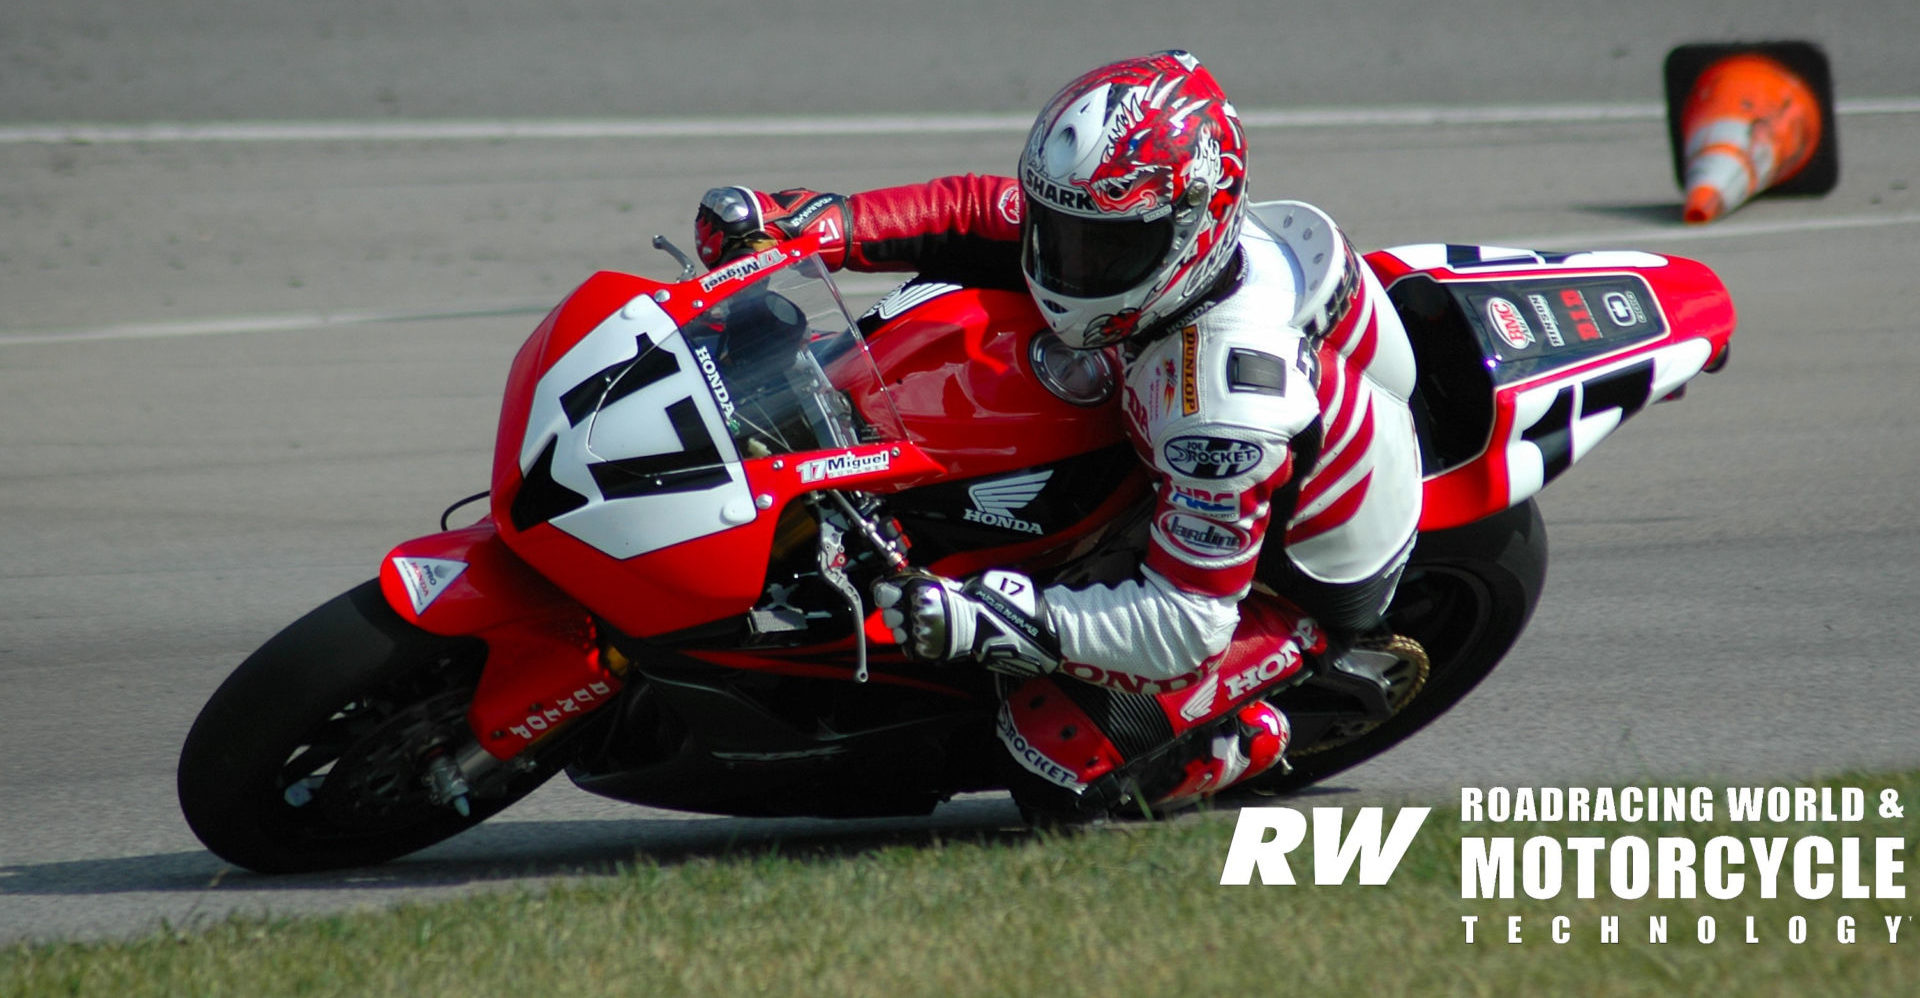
(1323, 259)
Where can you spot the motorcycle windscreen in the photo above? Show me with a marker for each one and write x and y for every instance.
(636, 435)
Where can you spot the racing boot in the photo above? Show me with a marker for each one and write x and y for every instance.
(1245, 745)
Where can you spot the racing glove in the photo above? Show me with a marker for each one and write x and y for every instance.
(732, 220)
(998, 619)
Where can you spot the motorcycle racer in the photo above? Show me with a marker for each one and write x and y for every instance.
(1266, 385)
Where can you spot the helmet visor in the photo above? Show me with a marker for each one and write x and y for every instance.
(1091, 257)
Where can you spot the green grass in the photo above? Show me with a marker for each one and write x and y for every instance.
(1132, 909)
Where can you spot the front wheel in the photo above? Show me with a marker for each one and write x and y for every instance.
(317, 752)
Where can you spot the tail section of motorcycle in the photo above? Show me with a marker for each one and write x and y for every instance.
(1527, 360)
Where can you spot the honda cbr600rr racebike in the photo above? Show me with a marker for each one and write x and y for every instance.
(695, 483)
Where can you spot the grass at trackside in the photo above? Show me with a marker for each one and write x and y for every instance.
(1132, 909)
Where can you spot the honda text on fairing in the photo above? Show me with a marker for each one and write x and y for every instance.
(695, 483)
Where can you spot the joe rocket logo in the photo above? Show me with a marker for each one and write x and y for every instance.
(995, 502)
(1212, 457)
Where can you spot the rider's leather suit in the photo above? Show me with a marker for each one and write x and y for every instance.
(1275, 409)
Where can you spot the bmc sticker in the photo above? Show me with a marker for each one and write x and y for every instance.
(1509, 323)
(1212, 457)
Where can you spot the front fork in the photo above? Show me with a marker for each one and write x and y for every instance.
(546, 667)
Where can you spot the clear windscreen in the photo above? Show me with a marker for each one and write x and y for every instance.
(787, 368)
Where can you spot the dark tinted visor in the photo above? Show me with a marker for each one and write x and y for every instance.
(1091, 257)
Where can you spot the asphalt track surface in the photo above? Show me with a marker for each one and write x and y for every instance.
(236, 367)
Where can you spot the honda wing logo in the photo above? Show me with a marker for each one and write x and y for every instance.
(907, 297)
(995, 502)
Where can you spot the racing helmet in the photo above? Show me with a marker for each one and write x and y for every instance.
(1134, 179)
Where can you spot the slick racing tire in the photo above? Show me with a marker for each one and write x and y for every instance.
(313, 754)
(1467, 594)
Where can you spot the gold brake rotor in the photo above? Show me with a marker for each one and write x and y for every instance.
(1405, 679)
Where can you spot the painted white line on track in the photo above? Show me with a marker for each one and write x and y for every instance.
(1622, 238)
(862, 284)
(293, 322)
(856, 285)
(283, 323)
(503, 129)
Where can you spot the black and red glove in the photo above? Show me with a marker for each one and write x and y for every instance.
(735, 221)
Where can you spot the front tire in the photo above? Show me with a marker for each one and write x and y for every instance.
(313, 754)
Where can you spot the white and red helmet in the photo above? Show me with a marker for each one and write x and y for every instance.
(1135, 184)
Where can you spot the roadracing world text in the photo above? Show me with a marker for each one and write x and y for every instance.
(1763, 863)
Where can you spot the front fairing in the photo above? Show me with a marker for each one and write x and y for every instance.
(652, 435)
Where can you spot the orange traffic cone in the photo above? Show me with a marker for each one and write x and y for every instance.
(1744, 119)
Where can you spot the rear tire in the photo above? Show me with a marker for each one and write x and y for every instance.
(1467, 594)
(313, 754)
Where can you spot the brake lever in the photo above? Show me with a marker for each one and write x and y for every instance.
(687, 269)
(833, 568)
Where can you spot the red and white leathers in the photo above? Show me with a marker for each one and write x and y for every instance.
(1273, 411)
(1279, 402)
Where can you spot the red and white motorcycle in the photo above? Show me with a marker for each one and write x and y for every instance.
(695, 483)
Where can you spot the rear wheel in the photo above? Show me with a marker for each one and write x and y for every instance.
(318, 752)
(1466, 596)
